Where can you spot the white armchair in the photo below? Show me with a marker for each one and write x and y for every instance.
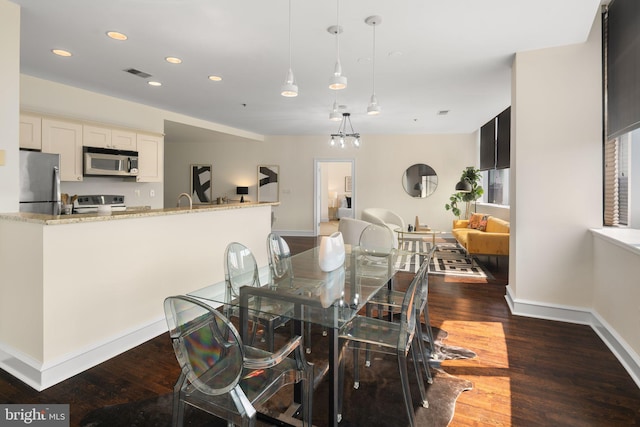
(351, 230)
(384, 217)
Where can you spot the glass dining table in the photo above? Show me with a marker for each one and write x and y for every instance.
(328, 299)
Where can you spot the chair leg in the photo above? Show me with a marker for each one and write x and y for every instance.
(356, 365)
(416, 366)
(425, 355)
(307, 408)
(307, 341)
(178, 403)
(404, 377)
(340, 381)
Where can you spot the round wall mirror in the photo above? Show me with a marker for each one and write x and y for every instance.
(419, 180)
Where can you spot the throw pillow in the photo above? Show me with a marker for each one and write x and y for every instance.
(348, 201)
(478, 221)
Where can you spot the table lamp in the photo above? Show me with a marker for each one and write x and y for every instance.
(243, 191)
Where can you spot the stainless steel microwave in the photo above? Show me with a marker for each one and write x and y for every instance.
(109, 162)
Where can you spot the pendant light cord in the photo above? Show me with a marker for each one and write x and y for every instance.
(373, 69)
(338, 33)
(290, 35)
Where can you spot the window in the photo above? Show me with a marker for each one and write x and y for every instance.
(621, 62)
(496, 186)
(622, 155)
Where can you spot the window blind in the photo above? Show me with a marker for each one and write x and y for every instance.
(611, 193)
(503, 141)
(488, 145)
(622, 43)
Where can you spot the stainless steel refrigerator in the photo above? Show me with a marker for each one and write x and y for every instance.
(40, 182)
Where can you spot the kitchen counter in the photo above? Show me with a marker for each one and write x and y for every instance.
(133, 213)
(86, 287)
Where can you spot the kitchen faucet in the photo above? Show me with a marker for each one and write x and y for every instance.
(188, 198)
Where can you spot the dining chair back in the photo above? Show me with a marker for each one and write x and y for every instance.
(390, 338)
(241, 269)
(279, 255)
(376, 241)
(222, 376)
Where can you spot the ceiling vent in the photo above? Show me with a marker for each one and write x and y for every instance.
(138, 73)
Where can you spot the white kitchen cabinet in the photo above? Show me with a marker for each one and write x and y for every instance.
(150, 157)
(104, 137)
(124, 140)
(30, 131)
(64, 138)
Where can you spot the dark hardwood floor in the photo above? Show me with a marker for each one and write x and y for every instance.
(529, 372)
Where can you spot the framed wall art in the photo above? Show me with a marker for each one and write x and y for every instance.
(268, 183)
(201, 187)
(347, 184)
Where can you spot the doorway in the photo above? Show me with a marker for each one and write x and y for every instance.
(334, 181)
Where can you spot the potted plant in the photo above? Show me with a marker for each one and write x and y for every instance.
(471, 180)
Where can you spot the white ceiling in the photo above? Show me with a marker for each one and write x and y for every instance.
(431, 55)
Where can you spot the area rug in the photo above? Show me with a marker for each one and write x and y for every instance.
(377, 402)
(448, 259)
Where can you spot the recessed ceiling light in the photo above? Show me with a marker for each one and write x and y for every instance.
(173, 60)
(116, 35)
(61, 52)
(215, 78)
(153, 83)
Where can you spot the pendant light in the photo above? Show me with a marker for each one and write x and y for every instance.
(337, 81)
(335, 115)
(345, 133)
(289, 88)
(373, 108)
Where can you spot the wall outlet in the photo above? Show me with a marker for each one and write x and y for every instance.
(136, 192)
(152, 193)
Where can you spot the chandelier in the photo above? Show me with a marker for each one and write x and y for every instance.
(342, 136)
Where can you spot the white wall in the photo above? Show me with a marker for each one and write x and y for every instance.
(379, 166)
(9, 101)
(556, 143)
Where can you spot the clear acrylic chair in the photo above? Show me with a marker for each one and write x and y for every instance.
(392, 300)
(241, 269)
(222, 376)
(390, 338)
(280, 269)
(281, 273)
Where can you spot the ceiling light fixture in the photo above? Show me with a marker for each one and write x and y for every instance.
(289, 88)
(173, 60)
(214, 78)
(337, 81)
(117, 35)
(373, 108)
(335, 115)
(61, 52)
(343, 135)
(154, 83)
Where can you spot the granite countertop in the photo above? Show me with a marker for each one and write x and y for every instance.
(138, 212)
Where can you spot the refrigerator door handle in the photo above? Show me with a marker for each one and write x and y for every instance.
(57, 205)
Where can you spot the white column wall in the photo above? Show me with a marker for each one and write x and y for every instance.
(556, 167)
(9, 103)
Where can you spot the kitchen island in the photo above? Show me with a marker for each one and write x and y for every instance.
(79, 289)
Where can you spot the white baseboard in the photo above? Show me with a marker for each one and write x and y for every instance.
(43, 375)
(618, 346)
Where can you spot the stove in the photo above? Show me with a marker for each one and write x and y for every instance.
(89, 204)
